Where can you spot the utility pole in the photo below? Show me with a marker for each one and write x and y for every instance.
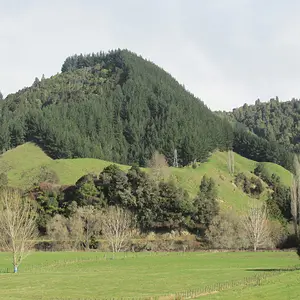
(175, 162)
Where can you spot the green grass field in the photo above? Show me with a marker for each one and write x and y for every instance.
(71, 275)
(23, 164)
(284, 286)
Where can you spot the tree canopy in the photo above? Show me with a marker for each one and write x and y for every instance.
(114, 106)
(275, 122)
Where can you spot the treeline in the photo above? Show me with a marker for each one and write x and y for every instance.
(116, 106)
(119, 107)
(278, 195)
(279, 198)
(155, 204)
(273, 121)
(160, 212)
(256, 148)
(150, 207)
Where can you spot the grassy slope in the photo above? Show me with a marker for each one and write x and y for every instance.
(23, 164)
(64, 275)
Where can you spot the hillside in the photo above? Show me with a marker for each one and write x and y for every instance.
(272, 120)
(26, 165)
(115, 106)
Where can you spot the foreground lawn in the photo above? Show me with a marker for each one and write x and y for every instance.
(71, 275)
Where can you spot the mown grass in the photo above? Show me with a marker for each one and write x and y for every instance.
(72, 275)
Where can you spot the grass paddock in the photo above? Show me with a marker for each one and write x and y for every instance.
(95, 275)
(24, 164)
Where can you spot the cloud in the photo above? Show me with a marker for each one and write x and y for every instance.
(225, 52)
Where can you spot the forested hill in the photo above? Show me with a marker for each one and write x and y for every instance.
(115, 106)
(272, 120)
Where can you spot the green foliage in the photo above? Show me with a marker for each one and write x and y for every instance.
(252, 186)
(205, 202)
(262, 172)
(274, 122)
(113, 106)
(282, 197)
(174, 207)
(86, 192)
(23, 163)
(47, 202)
(155, 205)
(145, 192)
(113, 183)
(279, 199)
(256, 186)
(274, 210)
(253, 147)
(242, 182)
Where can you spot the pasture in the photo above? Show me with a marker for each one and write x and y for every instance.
(95, 275)
(281, 287)
(23, 165)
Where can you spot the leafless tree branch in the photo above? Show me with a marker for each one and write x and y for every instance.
(17, 225)
(117, 227)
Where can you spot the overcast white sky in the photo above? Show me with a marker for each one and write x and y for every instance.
(226, 52)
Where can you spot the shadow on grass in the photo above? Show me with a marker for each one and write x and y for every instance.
(275, 270)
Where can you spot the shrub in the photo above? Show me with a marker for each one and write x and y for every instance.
(252, 186)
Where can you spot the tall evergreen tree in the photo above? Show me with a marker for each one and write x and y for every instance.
(207, 206)
(114, 106)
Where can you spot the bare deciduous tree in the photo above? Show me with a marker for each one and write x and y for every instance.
(90, 218)
(294, 205)
(117, 227)
(76, 230)
(17, 225)
(159, 167)
(295, 196)
(226, 231)
(58, 232)
(230, 162)
(256, 226)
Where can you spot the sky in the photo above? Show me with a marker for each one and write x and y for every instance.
(226, 53)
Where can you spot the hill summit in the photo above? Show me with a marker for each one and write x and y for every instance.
(114, 106)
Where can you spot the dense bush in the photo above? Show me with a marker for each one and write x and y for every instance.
(279, 200)
(273, 120)
(116, 106)
(156, 205)
(206, 204)
(252, 186)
